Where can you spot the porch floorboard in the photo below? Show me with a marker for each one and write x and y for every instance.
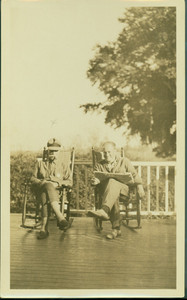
(82, 258)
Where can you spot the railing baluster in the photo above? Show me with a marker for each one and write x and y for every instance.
(86, 188)
(77, 188)
(166, 189)
(139, 171)
(140, 174)
(175, 189)
(157, 188)
(148, 187)
(139, 166)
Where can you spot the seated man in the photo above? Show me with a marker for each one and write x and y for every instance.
(45, 182)
(110, 189)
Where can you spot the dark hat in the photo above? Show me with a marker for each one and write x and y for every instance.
(53, 144)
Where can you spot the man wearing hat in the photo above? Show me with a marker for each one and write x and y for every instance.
(45, 182)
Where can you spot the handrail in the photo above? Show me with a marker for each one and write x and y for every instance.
(159, 181)
(135, 163)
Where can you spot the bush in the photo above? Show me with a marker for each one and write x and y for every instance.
(22, 164)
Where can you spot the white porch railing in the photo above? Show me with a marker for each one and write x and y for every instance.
(159, 181)
(158, 165)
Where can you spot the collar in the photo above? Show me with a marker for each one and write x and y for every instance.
(112, 163)
(52, 162)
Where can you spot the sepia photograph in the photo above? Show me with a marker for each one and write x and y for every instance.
(93, 149)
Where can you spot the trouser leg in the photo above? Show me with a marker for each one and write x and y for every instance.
(51, 192)
(44, 204)
(115, 215)
(44, 225)
(112, 192)
(53, 198)
(48, 194)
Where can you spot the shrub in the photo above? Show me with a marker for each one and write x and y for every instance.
(22, 164)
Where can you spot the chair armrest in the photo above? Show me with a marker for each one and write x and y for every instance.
(60, 188)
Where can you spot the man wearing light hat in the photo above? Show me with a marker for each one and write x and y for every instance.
(45, 182)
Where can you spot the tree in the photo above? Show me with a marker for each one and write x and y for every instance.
(137, 74)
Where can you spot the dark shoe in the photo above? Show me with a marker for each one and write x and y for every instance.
(62, 224)
(70, 221)
(100, 213)
(113, 234)
(43, 235)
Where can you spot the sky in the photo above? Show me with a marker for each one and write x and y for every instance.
(47, 48)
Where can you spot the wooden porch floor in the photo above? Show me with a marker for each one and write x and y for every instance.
(82, 258)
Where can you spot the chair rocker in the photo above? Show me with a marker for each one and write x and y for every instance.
(130, 206)
(65, 190)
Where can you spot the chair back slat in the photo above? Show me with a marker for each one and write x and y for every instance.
(65, 162)
(72, 162)
(96, 157)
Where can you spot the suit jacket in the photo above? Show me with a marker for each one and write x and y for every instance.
(45, 170)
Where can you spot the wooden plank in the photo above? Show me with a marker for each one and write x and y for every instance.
(135, 163)
(83, 162)
(80, 257)
(154, 163)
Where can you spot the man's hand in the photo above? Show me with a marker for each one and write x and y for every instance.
(141, 192)
(95, 181)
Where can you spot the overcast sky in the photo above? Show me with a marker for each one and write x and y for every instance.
(48, 45)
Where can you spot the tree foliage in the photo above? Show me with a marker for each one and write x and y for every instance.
(137, 74)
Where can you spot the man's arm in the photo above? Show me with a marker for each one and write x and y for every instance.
(94, 180)
(34, 178)
(130, 168)
(137, 179)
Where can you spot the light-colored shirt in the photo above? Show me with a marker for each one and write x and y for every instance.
(46, 170)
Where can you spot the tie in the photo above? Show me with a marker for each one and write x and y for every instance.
(110, 166)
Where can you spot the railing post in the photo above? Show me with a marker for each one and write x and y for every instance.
(148, 187)
(139, 165)
(157, 188)
(77, 188)
(166, 189)
(140, 174)
(86, 187)
(139, 171)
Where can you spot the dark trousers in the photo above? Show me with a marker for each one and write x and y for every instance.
(109, 192)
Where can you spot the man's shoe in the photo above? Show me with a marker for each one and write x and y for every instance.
(43, 235)
(62, 224)
(100, 213)
(113, 234)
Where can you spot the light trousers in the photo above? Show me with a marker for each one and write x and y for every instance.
(47, 193)
(110, 191)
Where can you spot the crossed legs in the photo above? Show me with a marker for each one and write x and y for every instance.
(110, 192)
(49, 195)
